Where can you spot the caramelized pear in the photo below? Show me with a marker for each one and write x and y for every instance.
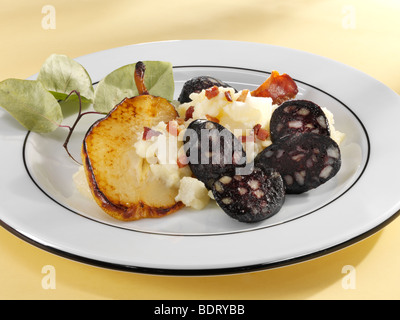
(121, 182)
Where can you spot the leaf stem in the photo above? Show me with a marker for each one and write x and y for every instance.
(78, 118)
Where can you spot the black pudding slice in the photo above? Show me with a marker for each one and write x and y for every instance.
(296, 117)
(304, 161)
(196, 85)
(212, 151)
(250, 198)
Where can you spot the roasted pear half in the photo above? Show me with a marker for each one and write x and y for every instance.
(121, 182)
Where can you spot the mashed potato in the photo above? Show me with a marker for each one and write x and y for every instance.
(162, 153)
(336, 136)
(193, 193)
(243, 112)
(80, 181)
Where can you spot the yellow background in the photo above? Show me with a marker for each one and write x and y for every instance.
(364, 34)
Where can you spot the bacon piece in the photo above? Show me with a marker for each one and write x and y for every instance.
(149, 133)
(278, 87)
(260, 133)
(211, 118)
(182, 161)
(180, 121)
(172, 128)
(189, 113)
(243, 96)
(249, 138)
(212, 92)
(228, 96)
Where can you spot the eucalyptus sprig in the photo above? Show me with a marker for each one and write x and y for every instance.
(39, 105)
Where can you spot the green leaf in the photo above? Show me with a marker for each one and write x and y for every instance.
(61, 75)
(120, 84)
(31, 104)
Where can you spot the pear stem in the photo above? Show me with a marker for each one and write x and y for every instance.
(140, 69)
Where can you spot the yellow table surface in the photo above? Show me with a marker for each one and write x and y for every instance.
(364, 34)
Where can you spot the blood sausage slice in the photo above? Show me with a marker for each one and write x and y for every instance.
(197, 84)
(212, 151)
(304, 161)
(298, 116)
(252, 197)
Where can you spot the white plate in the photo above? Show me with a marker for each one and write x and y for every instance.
(40, 204)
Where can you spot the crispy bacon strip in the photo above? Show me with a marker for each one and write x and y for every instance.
(182, 161)
(212, 92)
(189, 113)
(211, 118)
(228, 96)
(149, 133)
(260, 133)
(278, 87)
(243, 96)
(172, 128)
